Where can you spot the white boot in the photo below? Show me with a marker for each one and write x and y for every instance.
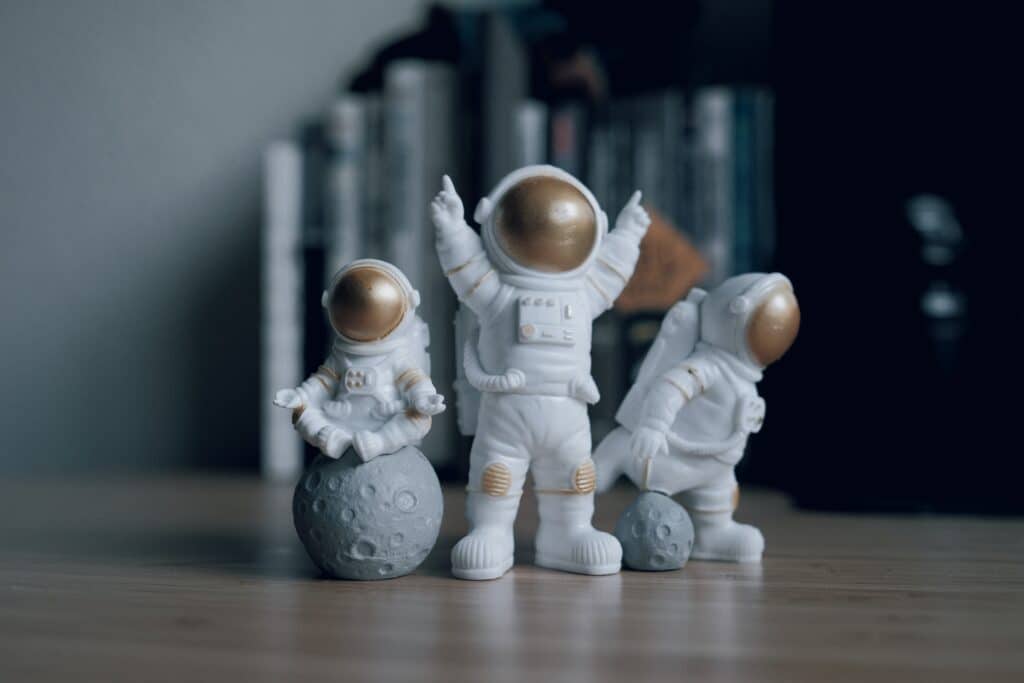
(367, 444)
(486, 552)
(567, 541)
(718, 537)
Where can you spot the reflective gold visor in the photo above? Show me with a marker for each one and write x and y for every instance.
(545, 224)
(366, 304)
(773, 325)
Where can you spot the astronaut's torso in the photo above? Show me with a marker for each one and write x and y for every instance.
(366, 386)
(721, 417)
(544, 333)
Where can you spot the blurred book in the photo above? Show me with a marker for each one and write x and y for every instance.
(281, 328)
(347, 201)
(504, 88)
(420, 142)
(733, 207)
(530, 134)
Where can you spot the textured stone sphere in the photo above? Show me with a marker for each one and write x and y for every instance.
(655, 532)
(374, 520)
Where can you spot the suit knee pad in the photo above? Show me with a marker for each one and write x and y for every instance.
(496, 479)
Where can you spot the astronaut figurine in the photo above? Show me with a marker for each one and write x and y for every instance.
(545, 268)
(686, 420)
(373, 392)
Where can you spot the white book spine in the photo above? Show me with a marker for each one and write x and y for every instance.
(281, 316)
(713, 191)
(420, 143)
(531, 133)
(345, 188)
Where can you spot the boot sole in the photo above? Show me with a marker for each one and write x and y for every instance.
(549, 562)
(484, 574)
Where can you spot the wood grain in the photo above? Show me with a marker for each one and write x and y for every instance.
(181, 579)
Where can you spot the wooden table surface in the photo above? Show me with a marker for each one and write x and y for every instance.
(202, 578)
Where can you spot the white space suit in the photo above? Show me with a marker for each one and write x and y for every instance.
(545, 268)
(686, 421)
(373, 392)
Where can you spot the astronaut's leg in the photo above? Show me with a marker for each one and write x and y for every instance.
(497, 469)
(612, 457)
(320, 432)
(566, 479)
(401, 430)
(717, 536)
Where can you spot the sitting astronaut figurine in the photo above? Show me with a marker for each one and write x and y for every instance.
(543, 271)
(373, 392)
(685, 422)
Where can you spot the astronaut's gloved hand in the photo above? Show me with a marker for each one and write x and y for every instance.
(446, 209)
(648, 443)
(633, 216)
(430, 404)
(385, 409)
(287, 398)
(339, 410)
(512, 379)
(584, 388)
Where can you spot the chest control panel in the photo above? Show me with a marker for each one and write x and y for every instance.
(547, 319)
(361, 380)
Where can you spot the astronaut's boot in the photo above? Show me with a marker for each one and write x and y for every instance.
(396, 433)
(718, 537)
(487, 551)
(567, 541)
(334, 441)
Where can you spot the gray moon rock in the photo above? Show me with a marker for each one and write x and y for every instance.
(656, 533)
(373, 520)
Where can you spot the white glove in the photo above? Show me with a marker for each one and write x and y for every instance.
(647, 443)
(584, 389)
(511, 380)
(287, 398)
(446, 209)
(383, 410)
(431, 404)
(633, 215)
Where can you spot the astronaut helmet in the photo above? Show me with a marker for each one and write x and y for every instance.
(753, 316)
(369, 301)
(541, 221)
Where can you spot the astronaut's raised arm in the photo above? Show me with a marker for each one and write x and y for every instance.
(673, 390)
(617, 257)
(468, 269)
(461, 252)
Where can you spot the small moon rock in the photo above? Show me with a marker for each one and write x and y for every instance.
(382, 540)
(655, 532)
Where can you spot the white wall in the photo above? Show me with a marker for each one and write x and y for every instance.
(130, 140)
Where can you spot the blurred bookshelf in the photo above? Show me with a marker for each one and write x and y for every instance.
(736, 145)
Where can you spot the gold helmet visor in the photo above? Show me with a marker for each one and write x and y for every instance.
(366, 304)
(545, 224)
(773, 325)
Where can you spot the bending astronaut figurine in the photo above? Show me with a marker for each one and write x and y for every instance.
(686, 420)
(373, 392)
(543, 271)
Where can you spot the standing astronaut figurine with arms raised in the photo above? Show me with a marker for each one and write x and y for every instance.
(545, 268)
(373, 392)
(686, 420)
